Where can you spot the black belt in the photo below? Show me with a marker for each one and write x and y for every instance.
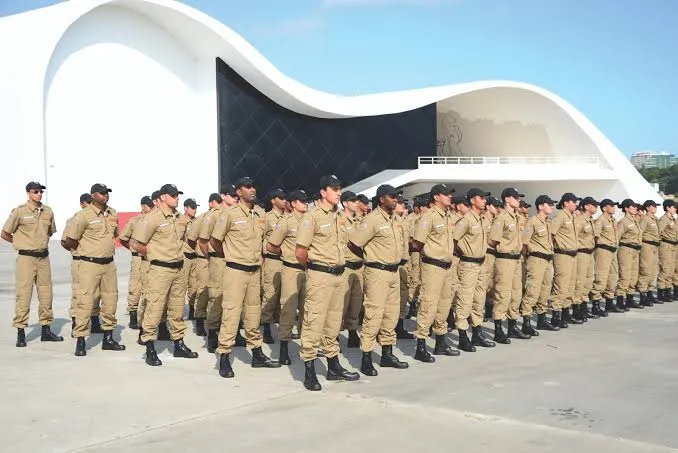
(168, 264)
(242, 267)
(654, 243)
(35, 253)
(190, 256)
(470, 259)
(435, 262)
(135, 253)
(490, 251)
(95, 260)
(383, 267)
(297, 266)
(507, 256)
(354, 265)
(334, 270)
(670, 242)
(76, 258)
(271, 256)
(565, 252)
(587, 251)
(609, 248)
(403, 262)
(213, 255)
(635, 247)
(544, 256)
(202, 257)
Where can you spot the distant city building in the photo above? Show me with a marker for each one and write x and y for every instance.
(653, 159)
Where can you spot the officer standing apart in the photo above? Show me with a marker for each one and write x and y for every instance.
(93, 234)
(158, 238)
(377, 241)
(237, 237)
(272, 267)
(667, 251)
(321, 240)
(29, 228)
(649, 254)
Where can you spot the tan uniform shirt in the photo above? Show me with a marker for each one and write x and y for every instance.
(323, 233)
(128, 230)
(522, 222)
(208, 223)
(435, 229)
(471, 235)
(584, 227)
(285, 236)
(410, 222)
(378, 237)
(31, 227)
(352, 224)
(506, 231)
(403, 235)
(241, 230)
(667, 228)
(184, 226)
(563, 230)
(629, 231)
(64, 236)
(271, 219)
(159, 231)
(649, 228)
(194, 232)
(537, 236)
(95, 229)
(605, 231)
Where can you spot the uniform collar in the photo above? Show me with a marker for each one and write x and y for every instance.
(167, 212)
(327, 211)
(98, 211)
(245, 208)
(440, 211)
(36, 208)
(298, 215)
(384, 213)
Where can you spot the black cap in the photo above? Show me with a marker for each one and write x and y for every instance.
(100, 188)
(146, 201)
(401, 199)
(543, 199)
(510, 192)
(386, 189)
(228, 189)
(569, 197)
(608, 202)
(668, 203)
(439, 189)
(171, 190)
(477, 193)
(191, 203)
(329, 181)
(588, 200)
(525, 204)
(493, 201)
(363, 199)
(245, 181)
(459, 199)
(34, 186)
(276, 193)
(649, 203)
(85, 198)
(215, 197)
(348, 196)
(298, 195)
(155, 195)
(627, 203)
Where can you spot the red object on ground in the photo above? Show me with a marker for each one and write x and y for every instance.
(123, 218)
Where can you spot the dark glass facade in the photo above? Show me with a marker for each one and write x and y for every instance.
(280, 148)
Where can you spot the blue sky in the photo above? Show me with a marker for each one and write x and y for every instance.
(615, 60)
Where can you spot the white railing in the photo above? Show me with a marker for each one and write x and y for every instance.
(513, 160)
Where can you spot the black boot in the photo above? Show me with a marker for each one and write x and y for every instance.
(284, 354)
(48, 335)
(442, 348)
(567, 317)
(133, 320)
(140, 342)
(488, 311)
(514, 332)
(611, 307)
(261, 360)
(596, 310)
(620, 304)
(557, 320)
(72, 326)
(336, 372)
(527, 327)
(95, 325)
(268, 338)
(401, 333)
(645, 300)
(20, 338)
(109, 344)
(200, 328)
(543, 324)
(450, 320)
(163, 332)
(631, 302)
(652, 298)
(421, 353)
(225, 370)
(660, 297)
(389, 360)
(212, 340)
(80, 348)
(366, 366)
(152, 356)
(412, 310)
(478, 338)
(464, 342)
(310, 378)
(499, 335)
(353, 339)
(181, 350)
(240, 341)
(674, 295)
(577, 313)
(191, 312)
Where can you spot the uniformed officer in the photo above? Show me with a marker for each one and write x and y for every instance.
(185, 223)
(605, 260)
(353, 274)
(364, 207)
(538, 250)
(293, 278)
(158, 237)
(506, 240)
(378, 242)
(414, 271)
(134, 286)
(492, 209)
(321, 241)
(564, 260)
(434, 239)
(272, 267)
(648, 266)
(237, 237)
(404, 230)
(584, 227)
(93, 234)
(667, 251)
(460, 207)
(630, 240)
(29, 228)
(470, 237)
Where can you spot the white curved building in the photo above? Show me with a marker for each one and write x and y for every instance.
(138, 93)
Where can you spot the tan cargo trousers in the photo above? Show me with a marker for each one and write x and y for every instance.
(648, 267)
(202, 277)
(191, 277)
(471, 292)
(270, 288)
(667, 264)
(404, 291)
(382, 307)
(134, 286)
(605, 275)
(31, 271)
(95, 277)
(322, 314)
(353, 298)
(564, 280)
(74, 292)
(508, 289)
(215, 292)
(628, 270)
(292, 296)
(435, 299)
(166, 293)
(414, 276)
(584, 280)
(538, 283)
